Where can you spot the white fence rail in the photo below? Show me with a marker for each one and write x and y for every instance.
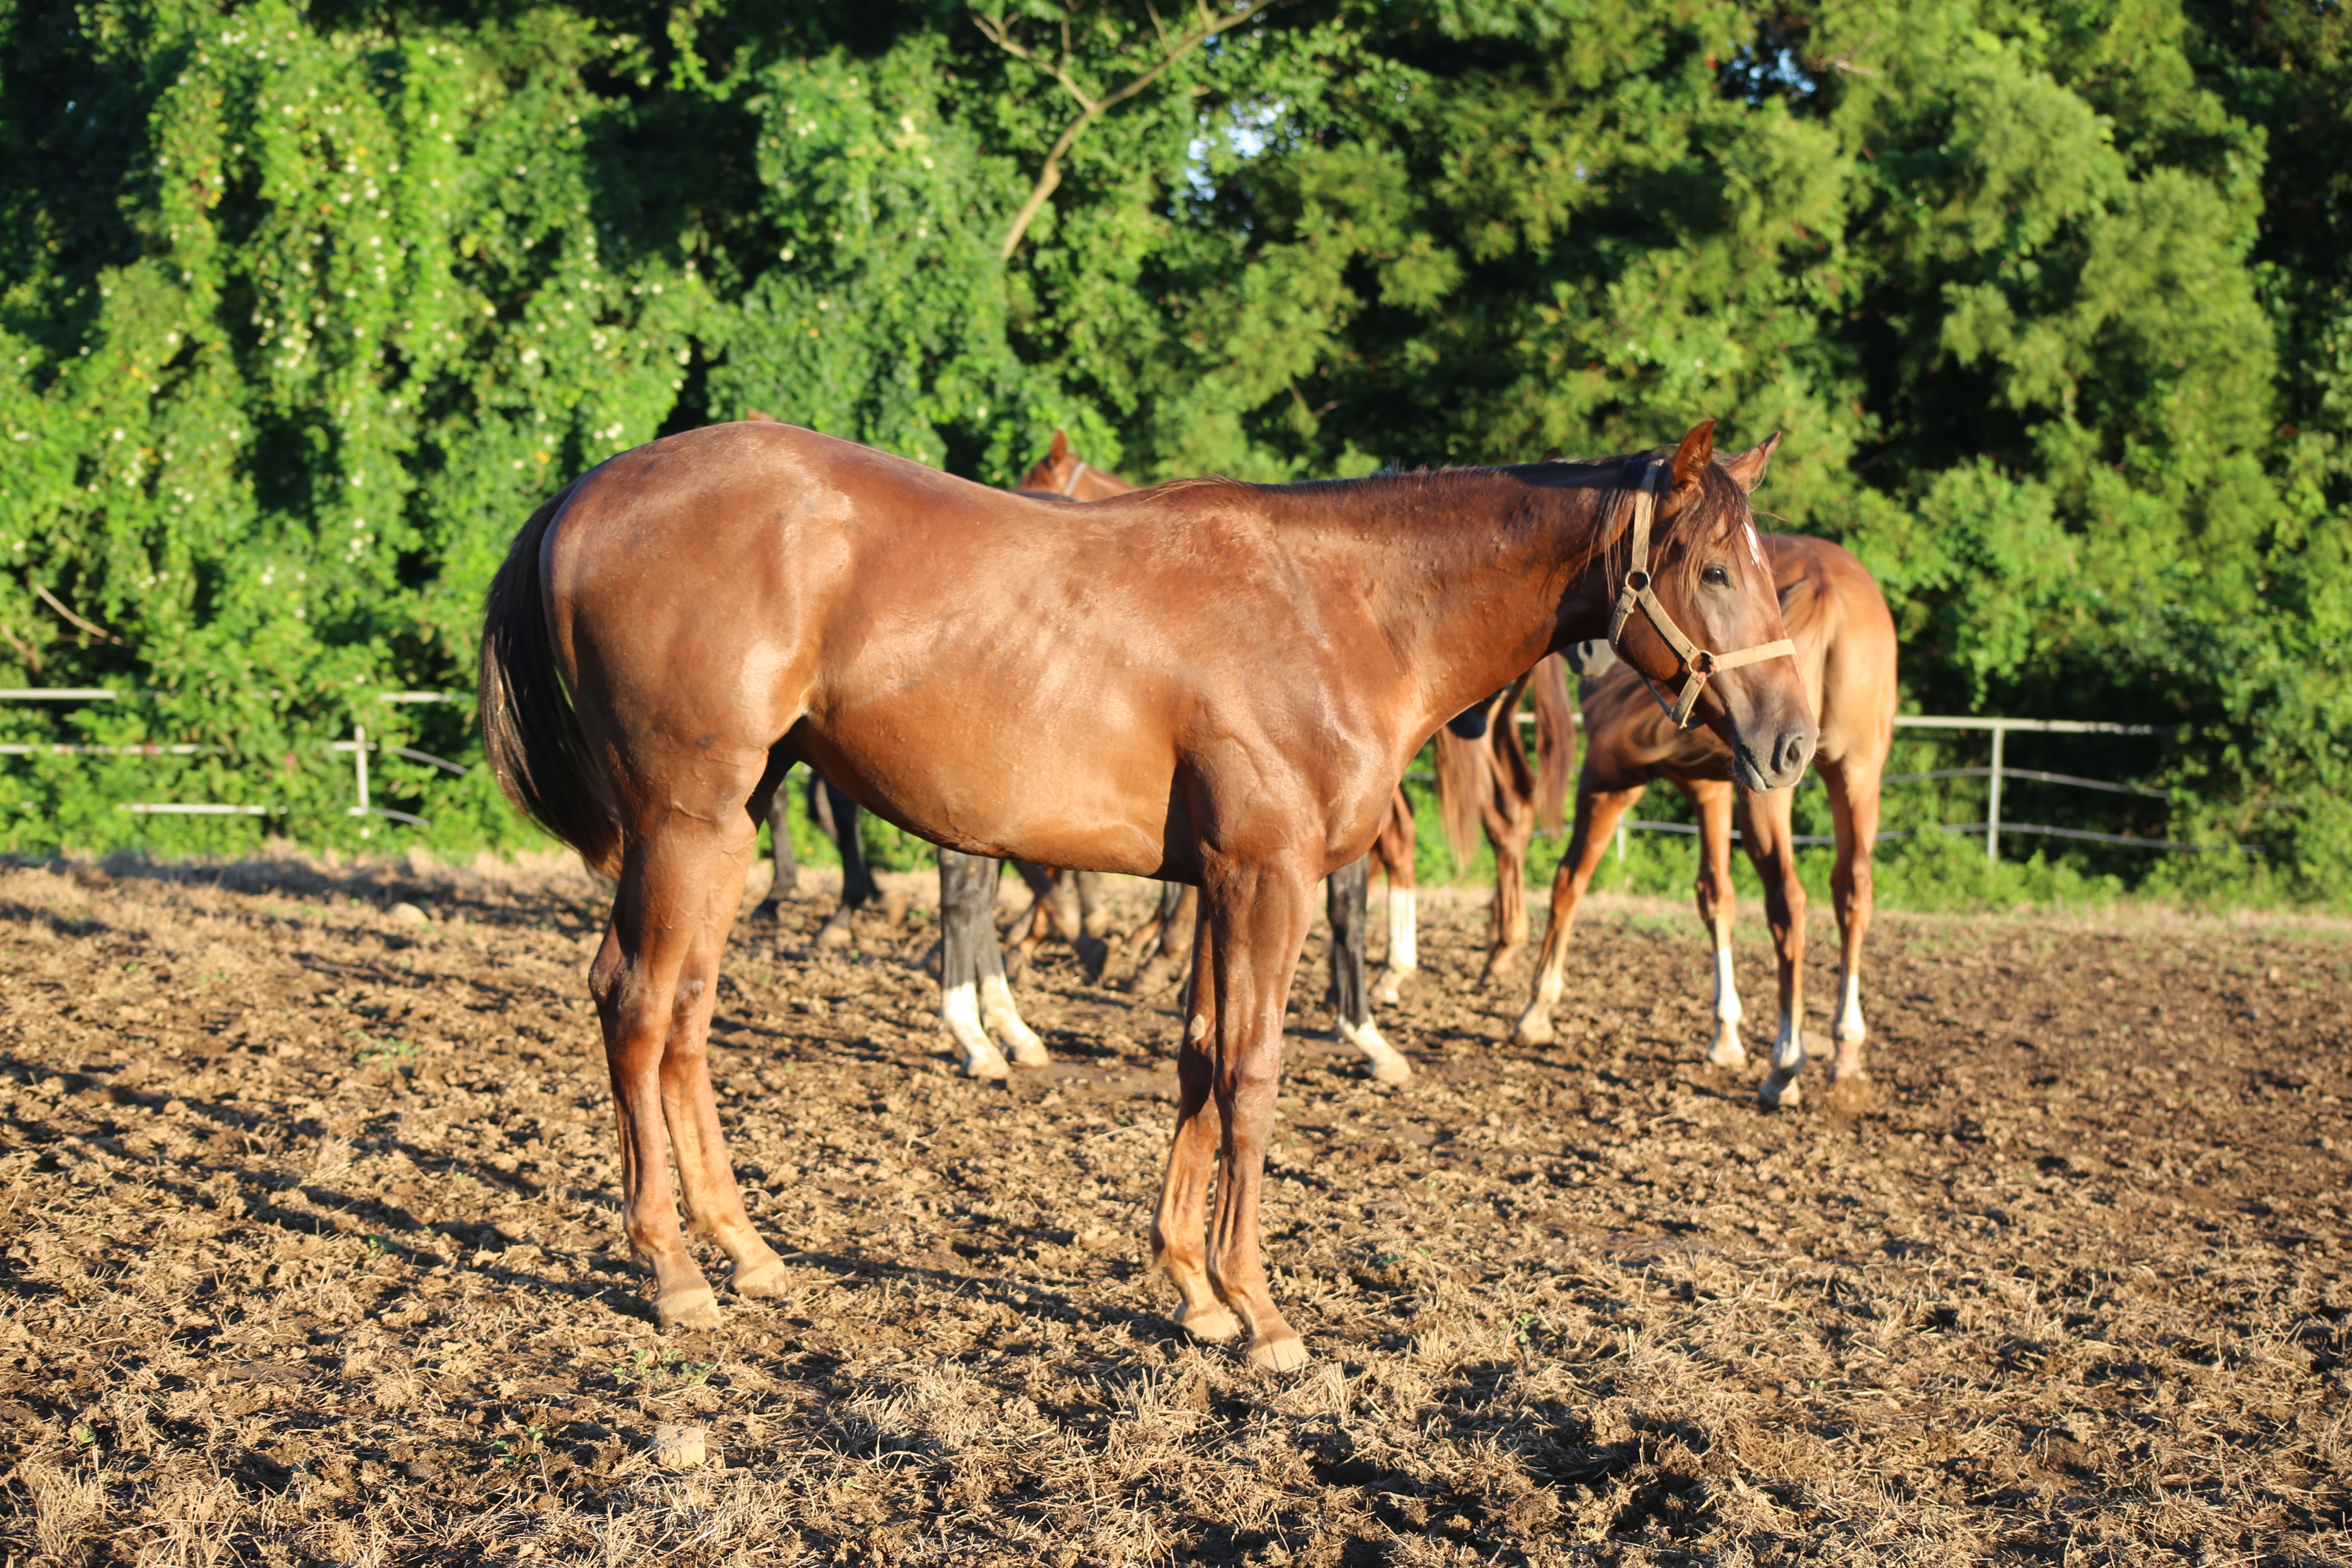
(359, 745)
(1993, 827)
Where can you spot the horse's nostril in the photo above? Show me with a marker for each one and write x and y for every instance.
(1794, 751)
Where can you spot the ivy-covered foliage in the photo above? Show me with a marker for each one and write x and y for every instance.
(301, 311)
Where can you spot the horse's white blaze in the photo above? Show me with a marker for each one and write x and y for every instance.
(1403, 954)
(1004, 1020)
(1849, 1030)
(1387, 1063)
(959, 1010)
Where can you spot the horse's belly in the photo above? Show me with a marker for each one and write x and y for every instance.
(1055, 796)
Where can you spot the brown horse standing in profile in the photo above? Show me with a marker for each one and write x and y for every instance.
(1845, 650)
(1206, 682)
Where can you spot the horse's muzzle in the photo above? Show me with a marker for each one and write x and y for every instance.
(1783, 764)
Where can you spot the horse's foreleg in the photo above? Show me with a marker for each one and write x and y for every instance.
(1853, 805)
(1771, 846)
(1259, 913)
(1346, 903)
(1394, 849)
(1717, 911)
(1178, 1235)
(1597, 814)
(967, 921)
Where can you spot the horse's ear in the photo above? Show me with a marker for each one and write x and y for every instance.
(1061, 448)
(756, 417)
(1551, 455)
(1695, 454)
(1748, 468)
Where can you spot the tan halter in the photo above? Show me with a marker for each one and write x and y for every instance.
(1077, 473)
(1697, 664)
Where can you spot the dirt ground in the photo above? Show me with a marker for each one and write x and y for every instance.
(308, 1209)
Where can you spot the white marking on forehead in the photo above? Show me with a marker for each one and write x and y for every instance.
(1754, 548)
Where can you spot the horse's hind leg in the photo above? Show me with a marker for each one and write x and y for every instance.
(996, 1009)
(1179, 913)
(1509, 829)
(1346, 902)
(842, 821)
(787, 884)
(1179, 1230)
(655, 981)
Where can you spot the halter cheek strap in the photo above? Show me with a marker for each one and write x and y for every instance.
(1077, 472)
(1638, 593)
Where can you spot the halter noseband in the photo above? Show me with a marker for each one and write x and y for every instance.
(1697, 664)
(1077, 472)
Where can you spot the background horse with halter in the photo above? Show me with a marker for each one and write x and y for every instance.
(1845, 650)
(1208, 682)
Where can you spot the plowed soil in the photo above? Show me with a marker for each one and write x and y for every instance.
(308, 1207)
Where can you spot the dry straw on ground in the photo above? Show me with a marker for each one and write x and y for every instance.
(307, 1214)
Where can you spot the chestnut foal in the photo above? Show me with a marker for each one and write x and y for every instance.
(1845, 648)
(1207, 682)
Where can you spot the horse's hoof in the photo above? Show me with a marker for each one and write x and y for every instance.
(1031, 1053)
(1723, 1054)
(762, 1280)
(1284, 1351)
(989, 1066)
(1533, 1029)
(1216, 1323)
(835, 931)
(1777, 1093)
(692, 1307)
(768, 913)
(1391, 1068)
(1385, 993)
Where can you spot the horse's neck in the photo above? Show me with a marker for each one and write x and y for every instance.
(1479, 572)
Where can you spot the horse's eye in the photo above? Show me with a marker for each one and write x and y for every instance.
(1717, 575)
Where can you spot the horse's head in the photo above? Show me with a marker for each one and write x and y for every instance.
(1062, 473)
(1057, 473)
(1710, 590)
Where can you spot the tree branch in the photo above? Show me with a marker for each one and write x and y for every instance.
(1207, 26)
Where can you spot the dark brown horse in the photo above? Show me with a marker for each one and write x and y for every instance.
(1206, 682)
(1845, 648)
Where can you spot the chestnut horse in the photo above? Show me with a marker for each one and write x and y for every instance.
(1206, 681)
(1845, 650)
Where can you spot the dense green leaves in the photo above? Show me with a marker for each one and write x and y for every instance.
(302, 312)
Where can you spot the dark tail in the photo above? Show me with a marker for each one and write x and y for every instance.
(532, 736)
